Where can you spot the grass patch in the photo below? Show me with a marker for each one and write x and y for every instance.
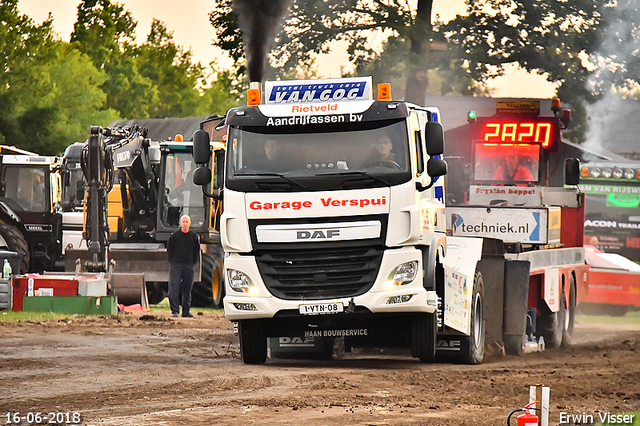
(163, 306)
(629, 318)
(11, 316)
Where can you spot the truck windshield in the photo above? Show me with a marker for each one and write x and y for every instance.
(379, 154)
(506, 163)
(75, 181)
(181, 195)
(25, 186)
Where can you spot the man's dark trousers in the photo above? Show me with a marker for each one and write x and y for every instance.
(180, 279)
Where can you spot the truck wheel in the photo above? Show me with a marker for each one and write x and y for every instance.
(327, 349)
(423, 336)
(217, 284)
(156, 292)
(253, 342)
(570, 315)
(551, 324)
(201, 293)
(15, 241)
(514, 345)
(478, 322)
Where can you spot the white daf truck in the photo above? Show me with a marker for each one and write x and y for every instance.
(334, 223)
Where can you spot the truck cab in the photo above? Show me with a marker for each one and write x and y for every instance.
(333, 218)
(508, 201)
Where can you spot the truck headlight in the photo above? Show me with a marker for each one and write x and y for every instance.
(403, 274)
(239, 281)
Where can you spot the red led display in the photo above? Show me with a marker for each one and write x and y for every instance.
(544, 132)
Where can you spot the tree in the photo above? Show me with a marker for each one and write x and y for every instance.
(541, 37)
(590, 47)
(566, 40)
(314, 24)
(20, 40)
(49, 94)
(228, 35)
(106, 33)
(224, 92)
(173, 74)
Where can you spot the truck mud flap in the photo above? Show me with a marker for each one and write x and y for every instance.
(491, 266)
(516, 300)
(289, 347)
(451, 346)
(288, 336)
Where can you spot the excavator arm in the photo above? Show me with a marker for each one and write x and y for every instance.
(125, 151)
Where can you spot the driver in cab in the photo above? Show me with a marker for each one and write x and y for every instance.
(511, 170)
(272, 159)
(381, 155)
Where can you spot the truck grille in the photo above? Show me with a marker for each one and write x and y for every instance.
(313, 274)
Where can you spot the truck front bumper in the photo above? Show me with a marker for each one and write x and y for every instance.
(381, 298)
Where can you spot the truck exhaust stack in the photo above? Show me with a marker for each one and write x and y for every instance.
(259, 21)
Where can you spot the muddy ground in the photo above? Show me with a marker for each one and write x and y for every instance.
(141, 369)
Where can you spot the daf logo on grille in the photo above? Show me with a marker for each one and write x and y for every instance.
(318, 234)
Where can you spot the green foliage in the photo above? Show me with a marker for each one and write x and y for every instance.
(175, 78)
(407, 57)
(105, 31)
(224, 93)
(32, 317)
(50, 93)
(228, 35)
(542, 37)
(590, 48)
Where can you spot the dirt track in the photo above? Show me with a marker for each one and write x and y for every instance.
(137, 371)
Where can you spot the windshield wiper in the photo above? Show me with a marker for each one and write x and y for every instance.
(353, 173)
(301, 186)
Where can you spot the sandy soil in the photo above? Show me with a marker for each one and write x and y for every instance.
(154, 370)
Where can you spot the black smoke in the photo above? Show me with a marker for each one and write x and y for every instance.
(259, 21)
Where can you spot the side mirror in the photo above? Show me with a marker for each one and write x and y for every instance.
(202, 176)
(571, 171)
(435, 138)
(201, 147)
(436, 167)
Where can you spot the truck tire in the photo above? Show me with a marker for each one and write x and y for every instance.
(514, 345)
(423, 336)
(551, 324)
(217, 284)
(253, 342)
(327, 349)
(202, 294)
(570, 315)
(16, 242)
(475, 353)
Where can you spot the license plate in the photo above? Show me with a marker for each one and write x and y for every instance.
(321, 308)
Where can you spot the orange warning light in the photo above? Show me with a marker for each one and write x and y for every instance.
(384, 92)
(253, 97)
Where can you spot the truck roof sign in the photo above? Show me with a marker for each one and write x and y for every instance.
(518, 107)
(318, 91)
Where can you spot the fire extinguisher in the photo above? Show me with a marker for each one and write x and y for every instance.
(526, 419)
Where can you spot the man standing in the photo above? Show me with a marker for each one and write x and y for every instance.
(183, 251)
